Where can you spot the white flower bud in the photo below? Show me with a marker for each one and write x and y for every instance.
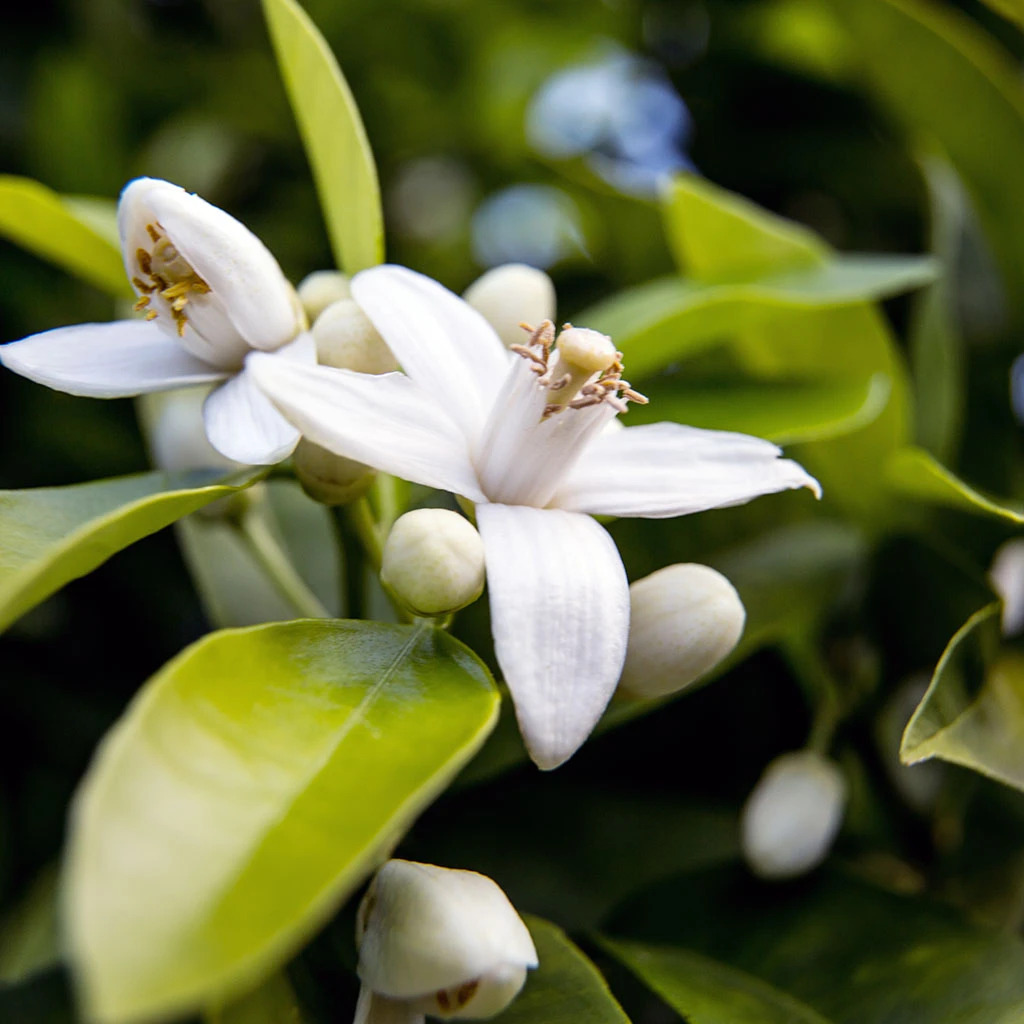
(319, 289)
(793, 814)
(177, 436)
(438, 941)
(512, 294)
(345, 338)
(684, 619)
(328, 478)
(433, 561)
(1007, 579)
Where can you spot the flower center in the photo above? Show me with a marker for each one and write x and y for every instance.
(165, 273)
(580, 369)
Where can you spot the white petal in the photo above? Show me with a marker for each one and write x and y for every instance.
(242, 424)
(560, 618)
(126, 357)
(666, 469)
(385, 421)
(441, 342)
(374, 1009)
(238, 267)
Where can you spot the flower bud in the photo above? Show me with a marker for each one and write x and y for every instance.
(793, 814)
(345, 338)
(684, 619)
(510, 295)
(433, 561)
(328, 478)
(438, 941)
(319, 289)
(1007, 579)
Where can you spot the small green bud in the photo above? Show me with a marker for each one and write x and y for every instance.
(434, 561)
(684, 619)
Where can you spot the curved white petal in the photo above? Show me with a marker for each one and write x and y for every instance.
(384, 420)
(664, 469)
(242, 424)
(244, 278)
(560, 618)
(115, 360)
(441, 342)
(372, 1008)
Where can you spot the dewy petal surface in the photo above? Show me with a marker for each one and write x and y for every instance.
(243, 275)
(384, 420)
(662, 470)
(113, 360)
(560, 618)
(439, 340)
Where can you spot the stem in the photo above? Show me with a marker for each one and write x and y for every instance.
(264, 547)
(360, 520)
(352, 591)
(808, 665)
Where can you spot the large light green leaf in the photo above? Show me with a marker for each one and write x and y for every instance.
(914, 56)
(973, 711)
(339, 152)
(936, 358)
(273, 1002)
(852, 952)
(40, 220)
(52, 535)
(1012, 9)
(915, 473)
(671, 318)
(784, 411)
(705, 991)
(565, 989)
(252, 784)
(28, 934)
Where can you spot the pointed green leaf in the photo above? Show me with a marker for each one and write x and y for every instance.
(783, 411)
(914, 56)
(52, 535)
(274, 1002)
(973, 711)
(332, 130)
(657, 323)
(706, 991)
(718, 235)
(915, 473)
(565, 989)
(28, 934)
(57, 230)
(252, 784)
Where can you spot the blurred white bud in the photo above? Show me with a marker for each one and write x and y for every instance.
(438, 941)
(512, 294)
(919, 784)
(345, 338)
(793, 814)
(177, 436)
(319, 289)
(433, 561)
(684, 619)
(328, 478)
(1007, 579)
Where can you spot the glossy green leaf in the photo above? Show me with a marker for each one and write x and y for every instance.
(973, 711)
(852, 952)
(914, 56)
(668, 319)
(52, 535)
(749, 242)
(936, 358)
(1012, 9)
(41, 221)
(28, 934)
(274, 1002)
(915, 473)
(332, 130)
(786, 412)
(252, 784)
(705, 991)
(565, 989)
